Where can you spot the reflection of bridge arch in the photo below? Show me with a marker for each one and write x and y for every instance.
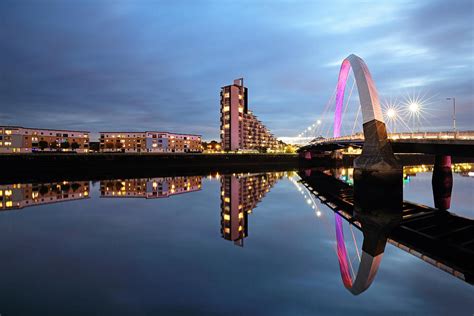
(368, 96)
(368, 266)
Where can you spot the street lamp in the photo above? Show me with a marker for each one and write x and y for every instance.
(392, 116)
(454, 111)
(414, 108)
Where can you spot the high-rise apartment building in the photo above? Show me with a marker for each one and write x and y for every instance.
(240, 128)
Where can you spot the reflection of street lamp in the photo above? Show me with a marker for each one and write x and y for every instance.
(454, 112)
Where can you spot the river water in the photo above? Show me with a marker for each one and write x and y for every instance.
(242, 244)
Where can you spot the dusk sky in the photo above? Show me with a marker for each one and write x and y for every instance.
(159, 65)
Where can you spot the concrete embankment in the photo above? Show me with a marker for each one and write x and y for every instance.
(17, 168)
(42, 167)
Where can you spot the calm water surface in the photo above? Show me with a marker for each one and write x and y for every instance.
(249, 244)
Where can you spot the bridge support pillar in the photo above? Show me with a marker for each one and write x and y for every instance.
(377, 153)
(377, 168)
(442, 182)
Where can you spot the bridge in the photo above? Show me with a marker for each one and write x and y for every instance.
(377, 145)
(457, 143)
(434, 235)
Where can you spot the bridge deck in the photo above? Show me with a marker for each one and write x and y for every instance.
(440, 238)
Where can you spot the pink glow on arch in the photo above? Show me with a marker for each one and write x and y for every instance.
(341, 87)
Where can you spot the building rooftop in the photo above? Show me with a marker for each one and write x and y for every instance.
(44, 129)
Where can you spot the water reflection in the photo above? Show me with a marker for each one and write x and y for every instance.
(240, 194)
(373, 206)
(17, 196)
(149, 187)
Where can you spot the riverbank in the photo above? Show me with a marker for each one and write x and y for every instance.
(98, 166)
(42, 167)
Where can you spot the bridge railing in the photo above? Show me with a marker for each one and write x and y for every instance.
(458, 135)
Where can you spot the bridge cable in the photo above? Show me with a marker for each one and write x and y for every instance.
(356, 119)
(347, 103)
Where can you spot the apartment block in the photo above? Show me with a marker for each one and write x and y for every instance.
(150, 141)
(240, 129)
(149, 188)
(240, 194)
(17, 196)
(16, 139)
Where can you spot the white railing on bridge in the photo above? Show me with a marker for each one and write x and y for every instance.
(458, 135)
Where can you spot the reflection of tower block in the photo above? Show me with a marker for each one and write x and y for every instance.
(239, 196)
(233, 216)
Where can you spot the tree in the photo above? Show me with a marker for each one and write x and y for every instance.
(65, 145)
(53, 145)
(75, 186)
(43, 190)
(94, 146)
(75, 145)
(109, 145)
(43, 144)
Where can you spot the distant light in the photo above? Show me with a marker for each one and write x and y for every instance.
(318, 213)
(309, 128)
(319, 122)
(414, 107)
(391, 113)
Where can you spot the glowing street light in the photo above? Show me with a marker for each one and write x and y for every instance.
(318, 122)
(391, 113)
(414, 107)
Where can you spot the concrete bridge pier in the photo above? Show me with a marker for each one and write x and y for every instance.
(442, 182)
(377, 168)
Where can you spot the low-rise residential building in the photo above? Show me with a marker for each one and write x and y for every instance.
(149, 141)
(16, 139)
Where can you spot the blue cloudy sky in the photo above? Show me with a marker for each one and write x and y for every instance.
(158, 65)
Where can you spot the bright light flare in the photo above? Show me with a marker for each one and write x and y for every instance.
(391, 113)
(414, 107)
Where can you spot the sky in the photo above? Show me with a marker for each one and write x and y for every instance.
(159, 65)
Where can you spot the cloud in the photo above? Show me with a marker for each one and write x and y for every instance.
(153, 65)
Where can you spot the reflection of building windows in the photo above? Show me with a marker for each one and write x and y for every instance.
(18, 196)
(149, 187)
(240, 194)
